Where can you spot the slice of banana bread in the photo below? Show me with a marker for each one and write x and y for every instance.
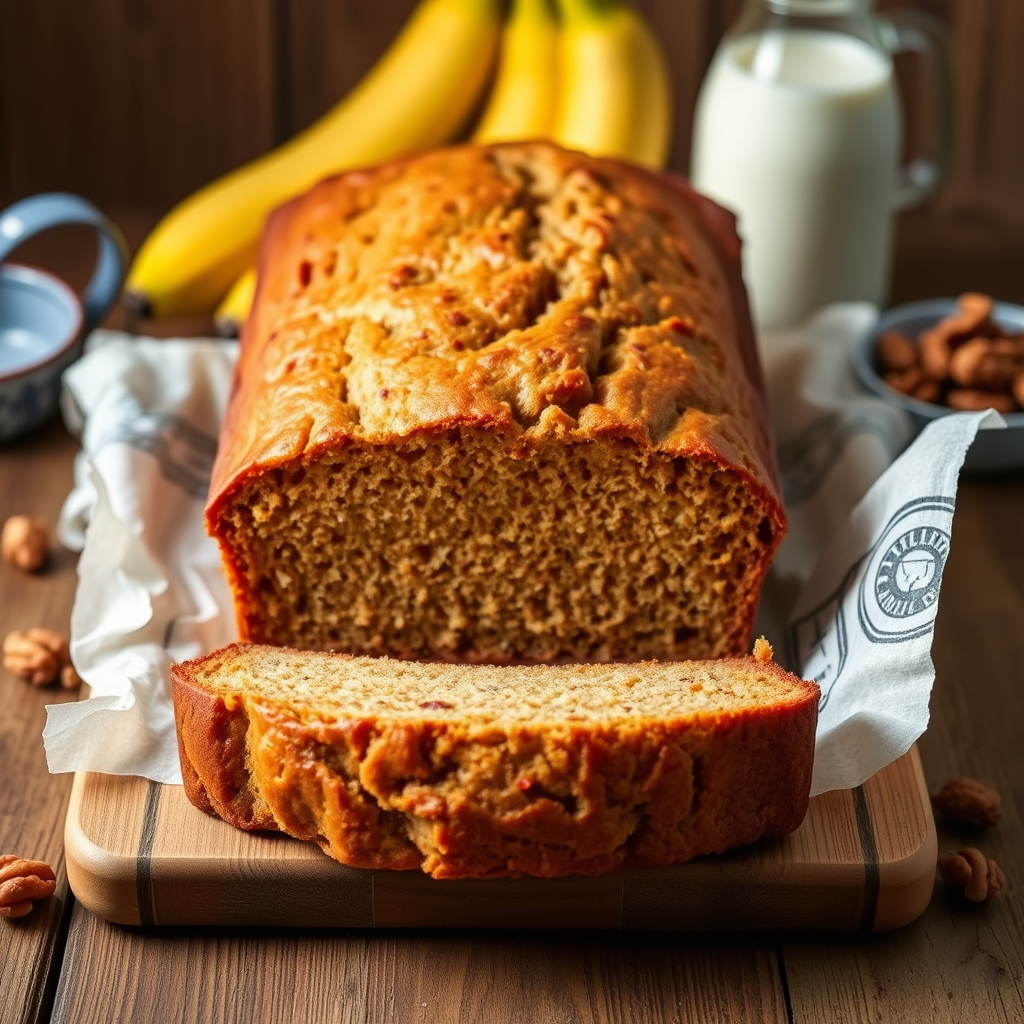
(483, 771)
(499, 404)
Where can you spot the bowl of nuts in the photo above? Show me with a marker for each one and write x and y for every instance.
(938, 356)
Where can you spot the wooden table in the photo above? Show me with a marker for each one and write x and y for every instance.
(958, 963)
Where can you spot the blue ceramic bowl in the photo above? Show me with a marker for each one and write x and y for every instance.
(43, 323)
(993, 451)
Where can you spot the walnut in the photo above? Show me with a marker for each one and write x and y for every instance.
(37, 655)
(968, 802)
(22, 882)
(762, 649)
(934, 351)
(907, 381)
(896, 351)
(971, 314)
(986, 363)
(69, 678)
(980, 877)
(927, 391)
(973, 400)
(24, 542)
(965, 361)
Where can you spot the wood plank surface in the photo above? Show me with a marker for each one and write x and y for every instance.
(329, 46)
(140, 853)
(35, 475)
(524, 978)
(132, 102)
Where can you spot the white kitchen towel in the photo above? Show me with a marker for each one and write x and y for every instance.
(853, 593)
(150, 586)
(851, 600)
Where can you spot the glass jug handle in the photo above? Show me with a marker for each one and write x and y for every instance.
(908, 31)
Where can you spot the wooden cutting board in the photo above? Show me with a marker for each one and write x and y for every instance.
(140, 853)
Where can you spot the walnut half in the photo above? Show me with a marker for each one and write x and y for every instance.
(22, 882)
(24, 543)
(967, 801)
(37, 655)
(980, 877)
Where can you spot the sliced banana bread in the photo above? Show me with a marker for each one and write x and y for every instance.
(483, 771)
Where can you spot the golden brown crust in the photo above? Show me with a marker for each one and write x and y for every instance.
(212, 749)
(325, 359)
(460, 796)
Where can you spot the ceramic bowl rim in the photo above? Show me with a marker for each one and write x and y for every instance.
(31, 275)
(892, 318)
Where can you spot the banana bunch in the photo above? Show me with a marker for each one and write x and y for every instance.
(231, 314)
(614, 91)
(593, 78)
(596, 81)
(521, 104)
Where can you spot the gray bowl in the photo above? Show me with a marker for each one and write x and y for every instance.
(40, 336)
(42, 321)
(993, 451)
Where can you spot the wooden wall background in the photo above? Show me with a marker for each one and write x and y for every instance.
(134, 103)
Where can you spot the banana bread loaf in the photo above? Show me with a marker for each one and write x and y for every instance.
(498, 404)
(481, 771)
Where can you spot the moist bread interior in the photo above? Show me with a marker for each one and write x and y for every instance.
(387, 689)
(420, 548)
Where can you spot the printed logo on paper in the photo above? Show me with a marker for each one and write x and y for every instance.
(899, 592)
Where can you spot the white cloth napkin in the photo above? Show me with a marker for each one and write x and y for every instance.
(150, 587)
(850, 601)
(854, 589)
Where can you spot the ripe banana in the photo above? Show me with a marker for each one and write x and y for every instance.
(232, 313)
(417, 96)
(522, 101)
(614, 87)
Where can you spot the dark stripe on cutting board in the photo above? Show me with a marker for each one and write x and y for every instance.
(870, 852)
(784, 981)
(144, 858)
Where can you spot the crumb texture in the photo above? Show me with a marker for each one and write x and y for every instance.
(496, 404)
(420, 549)
(484, 771)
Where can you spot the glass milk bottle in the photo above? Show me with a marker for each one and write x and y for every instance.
(798, 132)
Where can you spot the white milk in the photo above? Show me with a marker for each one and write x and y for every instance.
(797, 132)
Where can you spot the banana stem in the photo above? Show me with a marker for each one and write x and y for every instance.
(586, 10)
